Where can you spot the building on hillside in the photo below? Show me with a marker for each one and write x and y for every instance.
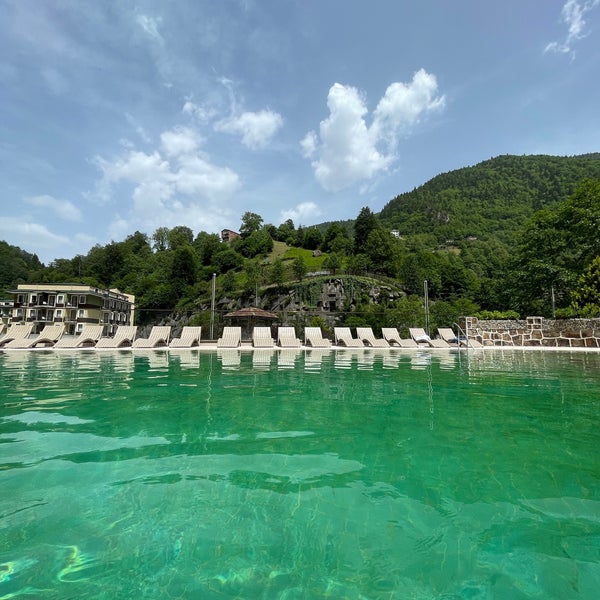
(72, 304)
(227, 235)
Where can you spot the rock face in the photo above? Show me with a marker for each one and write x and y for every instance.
(535, 331)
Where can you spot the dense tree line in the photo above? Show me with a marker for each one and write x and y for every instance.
(517, 245)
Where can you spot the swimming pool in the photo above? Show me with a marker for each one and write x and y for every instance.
(300, 474)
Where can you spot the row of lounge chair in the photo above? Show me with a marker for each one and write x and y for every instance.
(19, 336)
(313, 337)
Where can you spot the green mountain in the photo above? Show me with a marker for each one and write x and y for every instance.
(489, 200)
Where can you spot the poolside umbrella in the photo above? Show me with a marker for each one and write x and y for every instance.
(252, 316)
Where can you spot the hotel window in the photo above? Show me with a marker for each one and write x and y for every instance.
(20, 298)
(32, 314)
(50, 315)
(59, 313)
(19, 312)
(33, 299)
(79, 327)
(80, 313)
(81, 299)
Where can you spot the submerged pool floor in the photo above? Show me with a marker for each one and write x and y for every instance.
(300, 474)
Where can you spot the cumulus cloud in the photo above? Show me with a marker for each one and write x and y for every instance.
(347, 150)
(256, 128)
(301, 213)
(572, 15)
(176, 183)
(179, 141)
(62, 208)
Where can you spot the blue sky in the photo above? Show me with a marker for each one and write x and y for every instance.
(124, 116)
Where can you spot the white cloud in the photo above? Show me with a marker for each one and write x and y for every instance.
(403, 104)
(256, 128)
(572, 15)
(346, 150)
(301, 213)
(179, 141)
(175, 184)
(62, 208)
(150, 25)
(197, 111)
(27, 234)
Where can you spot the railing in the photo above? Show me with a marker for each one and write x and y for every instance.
(463, 336)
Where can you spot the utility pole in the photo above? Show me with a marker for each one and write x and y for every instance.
(212, 306)
(426, 295)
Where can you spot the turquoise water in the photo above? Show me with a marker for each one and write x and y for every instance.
(376, 475)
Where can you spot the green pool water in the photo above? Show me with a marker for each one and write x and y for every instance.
(365, 475)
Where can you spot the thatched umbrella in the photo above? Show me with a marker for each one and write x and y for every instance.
(251, 316)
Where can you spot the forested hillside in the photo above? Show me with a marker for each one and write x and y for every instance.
(518, 234)
(489, 200)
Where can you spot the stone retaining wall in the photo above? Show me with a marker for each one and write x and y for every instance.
(535, 331)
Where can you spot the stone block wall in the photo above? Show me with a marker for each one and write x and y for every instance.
(535, 331)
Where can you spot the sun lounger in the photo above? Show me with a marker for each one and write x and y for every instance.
(48, 337)
(124, 338)
(367, 337)
(471, 343)
(190, 337)
(313, 336)
(343, 337)
(158, 338)
(231, 338)
(418, 335)
(448, 336)
(286, 338)
(16, 331)
(89, 336)
(391, 335)
(261, 337)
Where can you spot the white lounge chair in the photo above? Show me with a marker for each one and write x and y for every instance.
(391, 335)
(419, 335)
(48, 337)
(190, 337)
(231, 338)
(343, 337)
(313, 336)
(261, 337)
(17, 331)
(448, 336)
(158, 338)
(89, 336)
(286, 338)
(124, 338)
(367, 337)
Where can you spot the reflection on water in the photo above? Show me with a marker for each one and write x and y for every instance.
(299, 474)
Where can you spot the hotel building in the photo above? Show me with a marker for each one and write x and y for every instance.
(72, 304)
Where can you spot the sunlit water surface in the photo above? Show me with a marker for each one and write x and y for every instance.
(376, 475)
